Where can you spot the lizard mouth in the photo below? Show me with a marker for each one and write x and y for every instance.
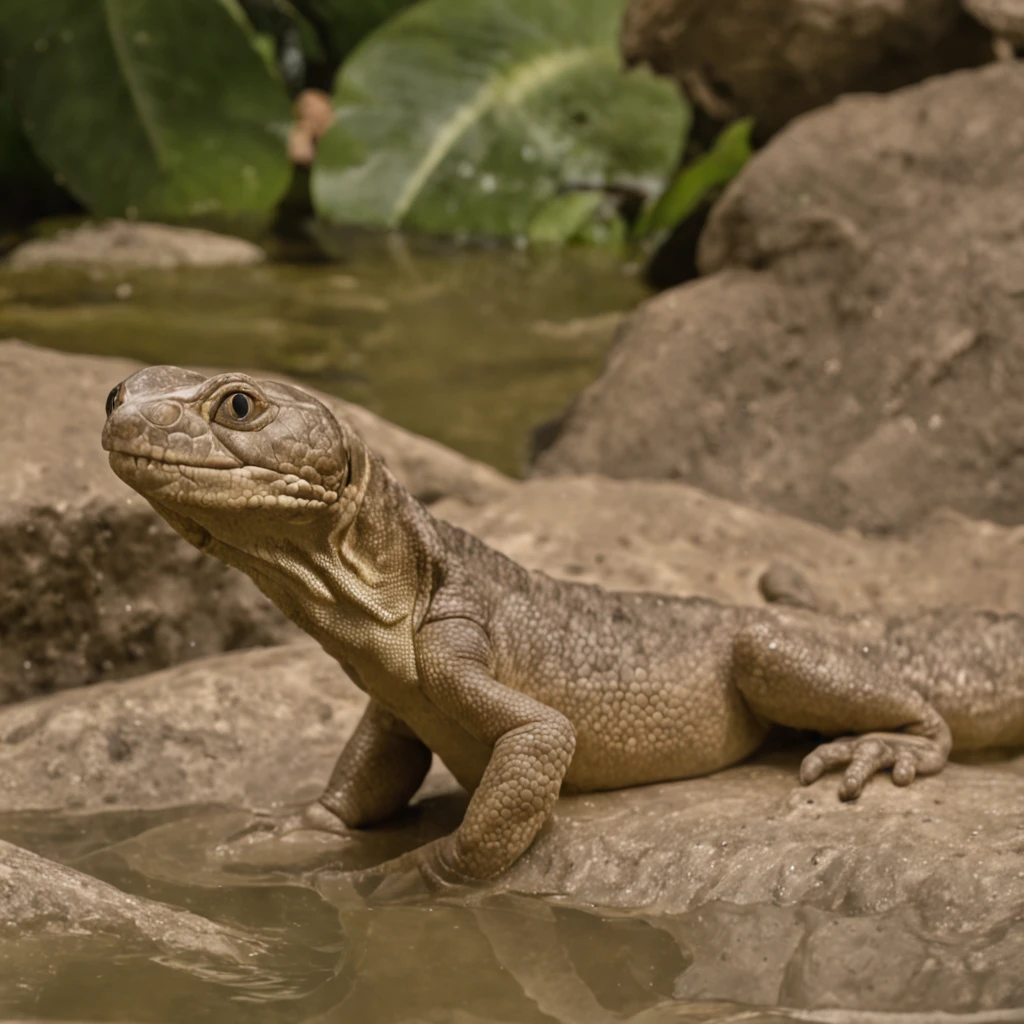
(229, 486)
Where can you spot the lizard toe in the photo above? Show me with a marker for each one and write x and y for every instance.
(904, 771)
(824, 759)
(869, 756)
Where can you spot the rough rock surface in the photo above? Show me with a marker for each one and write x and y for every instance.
(93, 585)
(136, 244)
(780, 58)
(249, 728)
(906, 900)
(1005, 18)
(656, 535)
(851, 356)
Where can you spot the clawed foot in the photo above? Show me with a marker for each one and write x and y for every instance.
(908, 756)
(273, 839)
(426, 870)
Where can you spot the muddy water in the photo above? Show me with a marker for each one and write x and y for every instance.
(325, 955)
(473, 347)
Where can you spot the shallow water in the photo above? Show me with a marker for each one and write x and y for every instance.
(488, 958)
(267, 946)
(473, 347)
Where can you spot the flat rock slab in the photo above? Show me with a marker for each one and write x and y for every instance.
(93, 584)
(850, 355)
(671, 538)
(136, 244)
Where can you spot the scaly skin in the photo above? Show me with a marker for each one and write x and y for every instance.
(525, 685)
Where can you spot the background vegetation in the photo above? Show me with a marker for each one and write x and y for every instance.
(501, 119)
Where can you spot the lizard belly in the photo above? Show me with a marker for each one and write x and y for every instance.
(677, 717)
(666, 738)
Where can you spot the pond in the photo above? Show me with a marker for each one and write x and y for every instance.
(277, 946)
(472, 346)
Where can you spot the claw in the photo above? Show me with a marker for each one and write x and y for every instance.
(425, 870)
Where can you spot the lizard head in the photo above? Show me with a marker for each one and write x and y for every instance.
(229, 455)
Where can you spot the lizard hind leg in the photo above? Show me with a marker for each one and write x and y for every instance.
(794, 677)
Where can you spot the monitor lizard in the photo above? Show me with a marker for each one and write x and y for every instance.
(525, 685)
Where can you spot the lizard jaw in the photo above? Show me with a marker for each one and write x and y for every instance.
(213, 487)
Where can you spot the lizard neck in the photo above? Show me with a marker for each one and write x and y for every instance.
(381, 556)
(367, 561)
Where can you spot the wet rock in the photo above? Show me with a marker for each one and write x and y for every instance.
(906, 899)
(850, 356)
(52, 914)
(777, 60)
(136, 244)
(93, 585)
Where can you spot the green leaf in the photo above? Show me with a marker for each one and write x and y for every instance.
(562, 218)
(154, 109)
(467, 116)
(699, 178)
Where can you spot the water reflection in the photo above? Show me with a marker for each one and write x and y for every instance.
(473, 347)
(221, 944)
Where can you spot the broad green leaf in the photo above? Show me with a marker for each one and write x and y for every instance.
(467, 116)
(699, 178)
(154, 109)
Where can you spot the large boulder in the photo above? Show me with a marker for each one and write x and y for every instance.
(675, 539)
(781, 58)
(93, 585)
(851, 355)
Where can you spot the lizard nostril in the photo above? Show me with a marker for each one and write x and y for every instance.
(162, 414)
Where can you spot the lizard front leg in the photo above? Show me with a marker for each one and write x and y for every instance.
(531, 744)
(377, 774)
(795, 678)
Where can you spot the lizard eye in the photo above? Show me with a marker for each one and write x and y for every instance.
(241, 405)
(240, 410)
(112, 399)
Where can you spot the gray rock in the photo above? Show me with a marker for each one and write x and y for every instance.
(850, 356)
(136, 244)
(905, 900)
(93, 585)
(779, 59)
(249, 729)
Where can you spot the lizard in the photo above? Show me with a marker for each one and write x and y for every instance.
(526, 685)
